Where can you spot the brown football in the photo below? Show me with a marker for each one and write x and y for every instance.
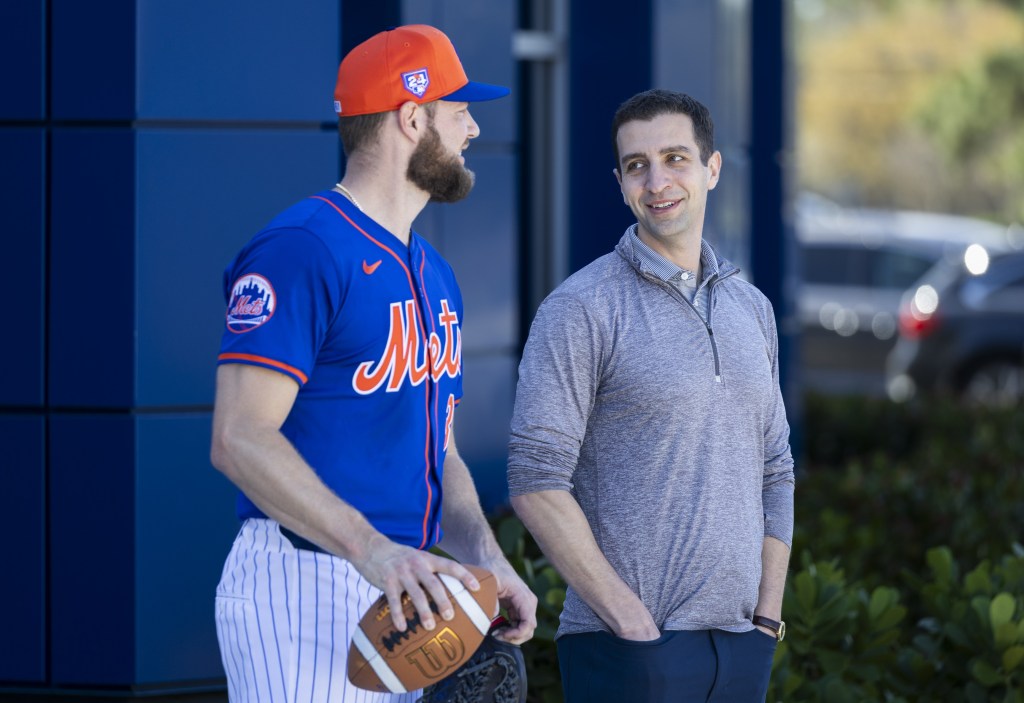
(384, 659)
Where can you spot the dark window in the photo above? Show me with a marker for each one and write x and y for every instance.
(841, 265)
(834, 265)
(896, 269)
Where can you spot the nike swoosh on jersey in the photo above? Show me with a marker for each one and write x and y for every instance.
(368, 269)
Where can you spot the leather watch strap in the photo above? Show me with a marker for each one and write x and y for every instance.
(779, 628)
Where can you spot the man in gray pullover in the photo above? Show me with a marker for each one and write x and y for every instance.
(649, 453)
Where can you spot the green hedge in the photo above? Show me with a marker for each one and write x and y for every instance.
(848, 644)
(879, 484)
(907, 577)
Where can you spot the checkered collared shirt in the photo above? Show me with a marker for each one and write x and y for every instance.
(685, 281)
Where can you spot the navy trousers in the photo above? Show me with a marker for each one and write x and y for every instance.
(698, 666)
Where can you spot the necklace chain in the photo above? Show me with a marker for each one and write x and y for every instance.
(348, 194)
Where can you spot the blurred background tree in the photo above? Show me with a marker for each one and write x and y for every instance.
(915, 104)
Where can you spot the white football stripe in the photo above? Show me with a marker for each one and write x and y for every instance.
(465, 599)
(376, 661)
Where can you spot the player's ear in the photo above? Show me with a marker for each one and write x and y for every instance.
(618, 176)
(412, 120)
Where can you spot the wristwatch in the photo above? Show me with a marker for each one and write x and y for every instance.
(779, 628)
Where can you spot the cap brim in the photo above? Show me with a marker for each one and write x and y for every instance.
(474, 92)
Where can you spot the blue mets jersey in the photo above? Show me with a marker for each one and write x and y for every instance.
(370, 329)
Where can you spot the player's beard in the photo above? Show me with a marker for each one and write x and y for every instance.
(438, 172)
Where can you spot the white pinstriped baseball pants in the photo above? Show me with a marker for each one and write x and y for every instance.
(285, 618)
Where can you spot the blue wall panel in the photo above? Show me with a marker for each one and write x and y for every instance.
(482, 422)
(23, 586)
(185, 518)
(360, 21)
(92, 270)
(605, 70)
(258, 60)
(93, 60)
(92, 534)
(689, 65)
(23, 56)
(201, 195)
(772, 250)
(482, 34)
(479, 240)
(22, 267)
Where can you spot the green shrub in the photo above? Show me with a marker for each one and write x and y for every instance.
(936, 475)
(841, 430)
(841, 640)
(970, 644)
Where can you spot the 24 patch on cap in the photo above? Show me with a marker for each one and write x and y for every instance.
(416, 82)
(252, 303)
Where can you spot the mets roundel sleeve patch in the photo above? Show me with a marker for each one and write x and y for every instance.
(251, 304)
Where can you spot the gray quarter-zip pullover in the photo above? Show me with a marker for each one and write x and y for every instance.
(669, 431)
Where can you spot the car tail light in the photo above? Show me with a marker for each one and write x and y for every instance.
(918, 315)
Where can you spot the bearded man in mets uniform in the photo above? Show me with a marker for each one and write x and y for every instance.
(339, 375)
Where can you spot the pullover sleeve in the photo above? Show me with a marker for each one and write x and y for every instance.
(558, 380)
(779, 480)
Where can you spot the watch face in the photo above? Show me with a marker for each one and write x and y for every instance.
(782, 631)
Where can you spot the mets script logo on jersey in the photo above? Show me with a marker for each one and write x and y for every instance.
(404, 358)
(252, 303)
(416, 82)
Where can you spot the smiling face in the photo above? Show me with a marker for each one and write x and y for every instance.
(663, 180)
(437, 165)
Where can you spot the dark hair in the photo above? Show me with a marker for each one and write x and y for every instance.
(654, 103)
(360, 131)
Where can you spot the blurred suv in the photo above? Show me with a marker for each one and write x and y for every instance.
(855, 265)
(962, 332)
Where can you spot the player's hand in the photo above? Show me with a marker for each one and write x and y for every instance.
(641, 632)
(518, 600)
(638, 625)
(397, 569)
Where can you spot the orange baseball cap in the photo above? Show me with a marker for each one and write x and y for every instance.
(415, 62)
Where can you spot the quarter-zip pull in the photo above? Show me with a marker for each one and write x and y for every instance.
(714, 351)
(707, 323)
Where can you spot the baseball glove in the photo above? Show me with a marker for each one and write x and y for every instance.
(496, 673)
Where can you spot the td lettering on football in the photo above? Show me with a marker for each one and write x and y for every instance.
(382, 658)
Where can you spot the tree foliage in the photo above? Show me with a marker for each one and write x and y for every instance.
(977, 119)
(875, 81)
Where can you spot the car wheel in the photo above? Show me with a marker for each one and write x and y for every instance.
(996, 383)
